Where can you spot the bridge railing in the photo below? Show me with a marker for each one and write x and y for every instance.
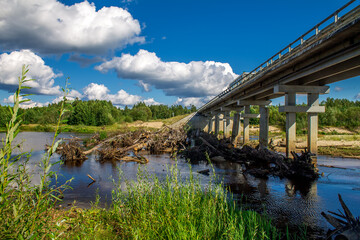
(329, 24)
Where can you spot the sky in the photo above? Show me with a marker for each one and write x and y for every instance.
(158, 52)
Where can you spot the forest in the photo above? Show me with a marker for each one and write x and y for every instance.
(94, 113)
(339, 113)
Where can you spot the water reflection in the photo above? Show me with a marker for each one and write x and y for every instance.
(294, 202)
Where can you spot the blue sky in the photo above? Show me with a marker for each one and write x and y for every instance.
(169, 52)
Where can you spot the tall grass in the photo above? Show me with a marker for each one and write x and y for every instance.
(183, 209)
(173, 208)
(24, 207)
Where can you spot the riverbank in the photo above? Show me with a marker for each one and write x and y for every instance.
(117, 127)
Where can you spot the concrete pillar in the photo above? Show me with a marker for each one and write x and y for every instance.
(290, 100)
(313, 100)
(264, 127)
(217, 123)
(211, 125)
(235, 129)
(246, 135)
(226, 122)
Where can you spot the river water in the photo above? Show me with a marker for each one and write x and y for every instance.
(286, 202)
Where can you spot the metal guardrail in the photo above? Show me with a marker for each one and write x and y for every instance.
(316, 33)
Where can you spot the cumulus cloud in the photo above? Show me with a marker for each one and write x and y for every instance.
(194, 79)
(95, 91)
(151, 101)
(48, 26)
(357, 96)
(27, 104)
(196, 101)
(10, 69)
(73, 94)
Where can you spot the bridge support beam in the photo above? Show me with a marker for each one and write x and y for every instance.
(246, 127)
(217, 124)
(227, 124)
(235, 129)
(211, 124)
(290, 100)
(264, 126)
(312, 109)
(313, 100)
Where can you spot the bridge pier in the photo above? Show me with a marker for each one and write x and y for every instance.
(264, 120)
(226, 123)
(246, 124)
(235, 129)
(290, 100)
(312, 109)
(264, 126)
(313, 100)
(210, 124)
(217, 124)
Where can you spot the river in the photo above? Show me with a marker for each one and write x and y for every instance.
(284, 201)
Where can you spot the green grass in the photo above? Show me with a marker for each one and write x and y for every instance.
(340, 151)
(149, 208)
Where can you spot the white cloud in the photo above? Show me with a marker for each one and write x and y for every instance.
(194, 79)
(145, 86)
(357, 96)
(100, 92)
(151, 101)
(338, 89)
(49, 26)
(196, 101)
(10, 69)
(27, 104)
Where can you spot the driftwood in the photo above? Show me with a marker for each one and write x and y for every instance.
(91, 178)
(345, 224)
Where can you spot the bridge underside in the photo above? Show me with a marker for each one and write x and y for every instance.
(323, 59)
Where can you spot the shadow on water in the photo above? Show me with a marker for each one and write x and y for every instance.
(286, 202)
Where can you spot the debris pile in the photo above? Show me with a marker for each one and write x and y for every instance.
(126, 146)
(193, 145)
(71, 152)
(259, 162)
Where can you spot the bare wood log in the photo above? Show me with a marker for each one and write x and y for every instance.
(91, 177)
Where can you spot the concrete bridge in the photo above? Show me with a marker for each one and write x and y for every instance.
(327, 53)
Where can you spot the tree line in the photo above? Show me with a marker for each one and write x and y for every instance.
(94, 113)
(339, 113)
